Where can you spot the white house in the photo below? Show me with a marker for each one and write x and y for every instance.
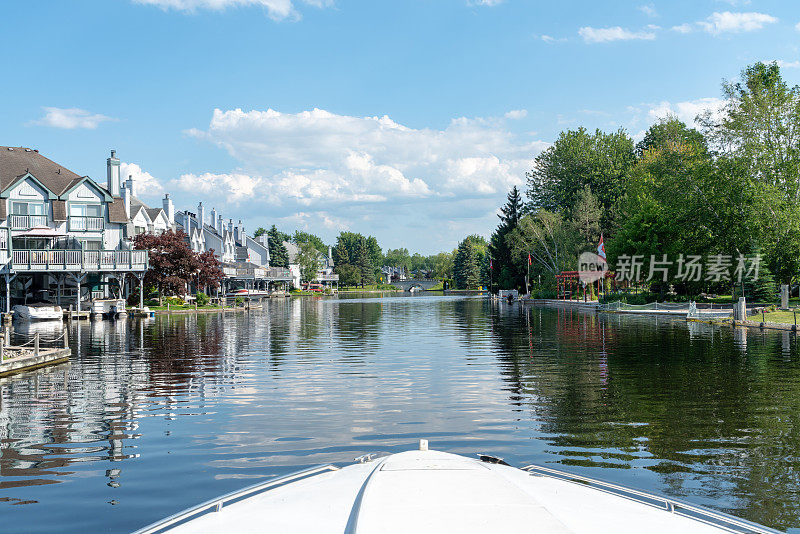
(61, 234)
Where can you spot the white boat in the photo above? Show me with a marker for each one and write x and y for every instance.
(429, 491)
(38, 312)
(248, 293)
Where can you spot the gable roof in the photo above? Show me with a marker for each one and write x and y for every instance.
(16, 162)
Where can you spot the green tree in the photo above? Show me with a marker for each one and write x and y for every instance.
(578, 158)
(308, 259)
(507, 273)
(300, 237)
(278, 256)
(363, 262)
(349, 274)
(757, 137)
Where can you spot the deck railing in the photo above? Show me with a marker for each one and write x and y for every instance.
(70, 260)
(86, 224)
(24, 222)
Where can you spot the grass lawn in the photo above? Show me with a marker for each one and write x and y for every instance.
(786, 317)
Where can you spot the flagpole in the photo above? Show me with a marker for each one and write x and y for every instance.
(528, 276)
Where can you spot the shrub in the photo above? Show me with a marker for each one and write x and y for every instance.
(174, 301)
(202, 299)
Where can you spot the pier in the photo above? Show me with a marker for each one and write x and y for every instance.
(31, 354)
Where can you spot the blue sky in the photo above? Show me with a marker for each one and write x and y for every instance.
(408, 120)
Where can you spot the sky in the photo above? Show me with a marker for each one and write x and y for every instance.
(408, 119)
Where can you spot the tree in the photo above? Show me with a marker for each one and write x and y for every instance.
(507, 273)
(278, 256)
(209, 274)
(363, 262)
(308, 259)
(466, 265)
(586, 216)
(549, 238)
(758, 137)
(349, 275)
(260, 231)
(300, 237)
(173, 265)
(578, 158)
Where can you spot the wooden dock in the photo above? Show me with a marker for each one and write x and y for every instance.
(18, 359)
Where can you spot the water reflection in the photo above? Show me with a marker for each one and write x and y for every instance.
(153, 415)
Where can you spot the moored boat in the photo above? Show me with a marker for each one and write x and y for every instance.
(247, 293)
(431, 491)
(38, 312)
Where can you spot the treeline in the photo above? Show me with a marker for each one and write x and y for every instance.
(730, 190)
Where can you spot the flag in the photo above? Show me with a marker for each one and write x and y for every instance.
(601, 248)
(529, 260)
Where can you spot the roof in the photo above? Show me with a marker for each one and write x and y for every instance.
(291, 251)
(15, 162)
(116, 211)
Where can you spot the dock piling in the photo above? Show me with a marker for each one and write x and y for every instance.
(36, 345)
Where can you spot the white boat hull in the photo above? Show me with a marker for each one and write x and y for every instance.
(429, 491)
(38, 313)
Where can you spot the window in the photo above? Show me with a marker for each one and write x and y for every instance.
(27, 208)
(86, 210)
(92, 244)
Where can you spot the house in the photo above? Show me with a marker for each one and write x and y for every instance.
(325, 275)
(144, 219)
(245, 260)
(62, 235)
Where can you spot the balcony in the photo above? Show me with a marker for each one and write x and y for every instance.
(60, 260)
(26, 222)
(86, 224)
(278, 273)
(327, 278)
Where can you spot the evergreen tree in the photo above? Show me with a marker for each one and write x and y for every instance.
(763, 288)
(466, 266)
(506, 273)
(363, 262)
(278, 256)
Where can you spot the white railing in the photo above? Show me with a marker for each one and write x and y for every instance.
(23, 222)
(86, 224)
(91, 260)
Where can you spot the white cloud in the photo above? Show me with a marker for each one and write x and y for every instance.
(550, 39)
(277, 9)
(616, 33)
(788, 64)
(235, 187)
(71, 118)
(649, 10)
(516, 114)
(797, 26)
(683, 28)
(317, 161)
(686, 111)
(489, 3)
(146, 185)
(728, 22)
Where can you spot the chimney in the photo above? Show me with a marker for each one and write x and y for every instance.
(214, 218)
(112, 172)
(131, 185)
(240, 233)
(230, 225)
(201, 215)
(220, 225)
(169, 209)
(330, 253)
(126, 199)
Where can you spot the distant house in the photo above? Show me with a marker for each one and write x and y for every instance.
(62, 235)
(325, 275)
(144, 219)
(245, 260)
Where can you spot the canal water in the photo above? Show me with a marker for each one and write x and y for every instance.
(154, 415)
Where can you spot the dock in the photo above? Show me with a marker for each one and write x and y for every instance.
(29, 356)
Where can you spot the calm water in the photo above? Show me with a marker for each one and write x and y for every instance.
(152, 416)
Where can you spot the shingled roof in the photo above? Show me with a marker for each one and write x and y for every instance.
(15, 162)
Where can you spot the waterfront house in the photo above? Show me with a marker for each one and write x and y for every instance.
(325, 276)
(62, 235)
(143, 218)
(245, 260)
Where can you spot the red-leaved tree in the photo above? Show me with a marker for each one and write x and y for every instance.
(173, 264)
(210, 274)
